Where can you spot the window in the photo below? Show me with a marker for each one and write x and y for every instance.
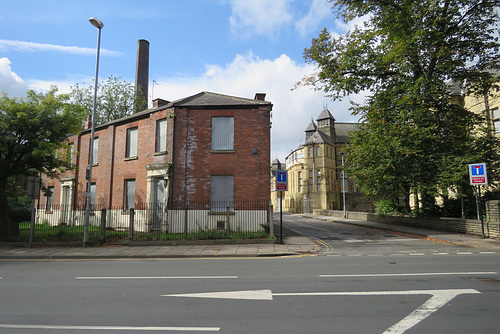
(310, 151)
(318, 179)
(129, 200)
(317, 150)
(71, 152)
(95, 151)
(161, 135)
(311, 181)
(496, 120)
(50, 198)
(221, 192)
(131, 150)
(92, 195)
(222, 133)
(300, 182)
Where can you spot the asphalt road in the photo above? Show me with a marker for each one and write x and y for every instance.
(364, 281)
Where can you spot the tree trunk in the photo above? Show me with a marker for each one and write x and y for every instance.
(6, 228)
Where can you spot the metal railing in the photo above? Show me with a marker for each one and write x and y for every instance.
(152, 221)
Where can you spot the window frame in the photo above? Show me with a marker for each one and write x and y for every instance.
(222, 141)
(161, 143)
(128, 146)
(126, 194)
(221, 193)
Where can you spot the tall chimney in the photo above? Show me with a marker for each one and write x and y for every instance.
(142, 74)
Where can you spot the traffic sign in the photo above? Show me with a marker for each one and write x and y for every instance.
(478, 174)
(281, 180)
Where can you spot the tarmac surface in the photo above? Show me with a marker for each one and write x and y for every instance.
(293, 245)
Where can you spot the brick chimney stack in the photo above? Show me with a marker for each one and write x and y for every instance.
(142, 71)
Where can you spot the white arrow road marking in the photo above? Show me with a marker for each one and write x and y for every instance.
(439, 299)
(415, 274)
(249, 295)
(112, 328)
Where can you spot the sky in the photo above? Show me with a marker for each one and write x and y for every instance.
(231, 47)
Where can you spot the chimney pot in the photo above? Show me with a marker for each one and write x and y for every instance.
(260, 96)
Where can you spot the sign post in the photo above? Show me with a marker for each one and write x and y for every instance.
(478, 176)
(281, 186)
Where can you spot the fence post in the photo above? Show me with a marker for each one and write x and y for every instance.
(131, 225)
(271, 220)
(185, 223)
(103, 226)
(227, 222)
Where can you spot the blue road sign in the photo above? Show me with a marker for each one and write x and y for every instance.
(281, 176)
(478, 174)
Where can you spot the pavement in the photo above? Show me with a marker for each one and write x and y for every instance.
(293, 245)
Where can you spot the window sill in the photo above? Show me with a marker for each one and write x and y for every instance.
(223, 151)
(221, 213)
(131, 158)
(160, 153)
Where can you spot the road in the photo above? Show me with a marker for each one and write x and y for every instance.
(372, 289)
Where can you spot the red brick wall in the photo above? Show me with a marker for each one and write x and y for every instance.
(250, 170)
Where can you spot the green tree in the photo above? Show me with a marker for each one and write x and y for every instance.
(115, 99)
(415, 137)
(32, 141)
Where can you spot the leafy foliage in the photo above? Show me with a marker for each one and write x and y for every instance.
(32, 140)
(416, 136)
(115, 99)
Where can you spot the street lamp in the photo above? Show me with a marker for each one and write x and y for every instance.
(98, 24)
(343, 184)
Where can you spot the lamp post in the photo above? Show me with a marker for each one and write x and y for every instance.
(343, 184)
(98, 24)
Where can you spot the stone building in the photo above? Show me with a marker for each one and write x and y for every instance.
(315, 170)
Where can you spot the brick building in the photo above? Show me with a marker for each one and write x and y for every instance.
(208, 151)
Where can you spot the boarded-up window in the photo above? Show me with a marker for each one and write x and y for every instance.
(161, 135)
(221, 192)
(95, 151)
(222, 133)
(129, 201)
(131, 143)
(92, 195)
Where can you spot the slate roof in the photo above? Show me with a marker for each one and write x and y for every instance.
(311, 127)
(325, 114)
(319, 137)
(342, 131)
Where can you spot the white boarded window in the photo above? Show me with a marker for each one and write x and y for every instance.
(131, 150)
(129, 200)
(222, 133)
(95, 151)
(92, 195)
(161, 135)
(221, 192)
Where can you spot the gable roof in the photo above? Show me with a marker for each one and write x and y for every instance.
(318, 137)
(214, 99)
(342, 131)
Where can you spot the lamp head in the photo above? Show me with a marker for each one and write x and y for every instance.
(96, 22)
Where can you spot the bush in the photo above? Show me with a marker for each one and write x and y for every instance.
(20, 209)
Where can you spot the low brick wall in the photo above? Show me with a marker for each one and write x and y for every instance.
(463, 226)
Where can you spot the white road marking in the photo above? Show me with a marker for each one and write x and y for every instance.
(439, 299)
(112, 328)
(415, 274)
(151, 277)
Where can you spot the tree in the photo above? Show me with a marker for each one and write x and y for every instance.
(415, 137)
(115, 99)
(32, 141)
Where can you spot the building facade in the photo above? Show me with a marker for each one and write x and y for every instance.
(207, 151)
(315, 176)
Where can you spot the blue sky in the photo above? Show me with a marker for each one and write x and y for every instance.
(234, 47)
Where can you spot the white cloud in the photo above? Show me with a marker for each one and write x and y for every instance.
(318, 11)
(10, 82)
(259, 17)
(20, 46)
(247, 75)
